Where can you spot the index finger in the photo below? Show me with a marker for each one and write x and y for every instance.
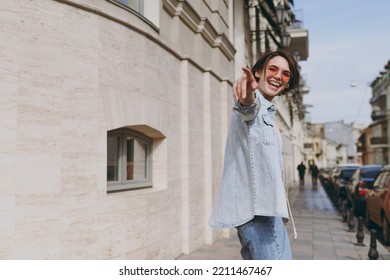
(248, 73)
(251, 81)
(244, 82)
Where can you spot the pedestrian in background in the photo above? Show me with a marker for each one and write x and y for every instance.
(252, 196)
(314, 174)
(301, 170)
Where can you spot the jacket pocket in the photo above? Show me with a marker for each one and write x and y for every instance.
(268, 131)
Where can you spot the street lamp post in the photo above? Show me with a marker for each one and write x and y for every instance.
(285, 37)
(280, 13)
(296, 56)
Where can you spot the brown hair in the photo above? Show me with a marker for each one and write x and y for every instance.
(262, 62)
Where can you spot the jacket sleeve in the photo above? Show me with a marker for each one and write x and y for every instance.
(247, 113)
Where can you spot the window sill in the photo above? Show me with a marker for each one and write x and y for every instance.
(129, 187)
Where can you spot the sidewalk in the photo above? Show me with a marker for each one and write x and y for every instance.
(322, 234)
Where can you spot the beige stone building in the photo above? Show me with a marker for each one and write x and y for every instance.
(113, 118)
(332, 143)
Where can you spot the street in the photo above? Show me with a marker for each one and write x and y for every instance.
(308, 199)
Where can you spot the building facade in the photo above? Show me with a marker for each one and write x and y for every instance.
(114, 119)
(364, 147)
(328, 144)
(379, 128)
(315, 145)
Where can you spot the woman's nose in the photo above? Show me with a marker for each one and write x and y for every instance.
(278, 75)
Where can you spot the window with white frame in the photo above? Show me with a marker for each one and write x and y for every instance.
(128, 160)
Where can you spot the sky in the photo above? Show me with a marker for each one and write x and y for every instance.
(349, 43)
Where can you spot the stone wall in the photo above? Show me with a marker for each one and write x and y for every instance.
(73, 70)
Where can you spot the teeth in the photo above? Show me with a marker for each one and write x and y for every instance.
(275, 85)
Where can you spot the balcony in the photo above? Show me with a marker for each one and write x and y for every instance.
(379, 141)
(299, 38)
(299, 42)
(378, 97)
(378, 114)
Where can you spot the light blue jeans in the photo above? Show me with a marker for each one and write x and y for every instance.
(264, 238)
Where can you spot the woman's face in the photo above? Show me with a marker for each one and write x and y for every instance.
(274, 78)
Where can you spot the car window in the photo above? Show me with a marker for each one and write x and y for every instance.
(385, 186)
(386, 180)
(383, 181)
(378, 180)
(371, 173)
(346, 173)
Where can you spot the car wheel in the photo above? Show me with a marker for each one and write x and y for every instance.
(368, 219)
(385, 230)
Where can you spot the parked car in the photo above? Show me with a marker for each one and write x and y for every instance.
(341, 180)
(334, 173)
(361, 181)
(324, 175)
(378, 203)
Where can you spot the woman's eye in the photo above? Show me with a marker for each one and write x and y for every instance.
(273, 69)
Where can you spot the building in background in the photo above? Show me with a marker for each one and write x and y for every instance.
(332, 143)
(341, 134)
(379, 141)
(315, 145)
(114, 118)
(364, 147)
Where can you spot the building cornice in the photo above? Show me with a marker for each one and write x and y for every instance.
(199, 25)
(100, 12)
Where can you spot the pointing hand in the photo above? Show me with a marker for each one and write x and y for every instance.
(244, 86)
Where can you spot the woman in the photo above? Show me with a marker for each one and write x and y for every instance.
(252, 196)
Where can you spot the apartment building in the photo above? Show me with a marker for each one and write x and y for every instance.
(379, 128)
(331, 143)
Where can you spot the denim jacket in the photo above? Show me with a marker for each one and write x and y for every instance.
(252, 180)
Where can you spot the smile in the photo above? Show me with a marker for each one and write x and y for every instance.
(274, 84)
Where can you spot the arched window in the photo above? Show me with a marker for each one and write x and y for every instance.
(128, 160)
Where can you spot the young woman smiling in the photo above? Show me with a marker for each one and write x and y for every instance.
(252, 196)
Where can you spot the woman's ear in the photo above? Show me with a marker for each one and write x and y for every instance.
(258, 75)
